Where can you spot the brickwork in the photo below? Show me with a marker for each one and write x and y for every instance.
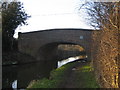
(30, 43)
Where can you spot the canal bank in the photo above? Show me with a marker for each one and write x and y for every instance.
(22, 68)
(16, 58)
(72, 75)
(16, 67)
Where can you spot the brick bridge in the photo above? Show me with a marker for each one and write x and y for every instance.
(43, 44)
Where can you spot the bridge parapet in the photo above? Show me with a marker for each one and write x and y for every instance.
(30, 43)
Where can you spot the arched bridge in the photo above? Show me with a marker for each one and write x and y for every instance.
(42, 44)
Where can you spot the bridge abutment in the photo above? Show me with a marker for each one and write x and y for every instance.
(42, 45)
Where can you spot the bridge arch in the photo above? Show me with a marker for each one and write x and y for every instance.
(51, 51)
(33, 42)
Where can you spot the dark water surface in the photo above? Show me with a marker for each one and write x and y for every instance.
(24, 74)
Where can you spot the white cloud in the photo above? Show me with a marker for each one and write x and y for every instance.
(48, 14)
(49, 6)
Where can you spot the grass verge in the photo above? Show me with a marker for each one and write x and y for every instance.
(84, 77)
(56, 77)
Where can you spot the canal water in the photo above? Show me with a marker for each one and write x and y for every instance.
(19, 76)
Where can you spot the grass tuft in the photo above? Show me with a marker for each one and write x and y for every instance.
(86, 75)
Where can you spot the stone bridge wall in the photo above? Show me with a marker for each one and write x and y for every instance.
(32, 43)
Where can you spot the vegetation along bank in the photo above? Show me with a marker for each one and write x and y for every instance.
(72, 75)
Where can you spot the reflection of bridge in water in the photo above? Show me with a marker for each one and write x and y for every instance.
(43, 44)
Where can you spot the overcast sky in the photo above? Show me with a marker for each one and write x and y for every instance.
(49, 14)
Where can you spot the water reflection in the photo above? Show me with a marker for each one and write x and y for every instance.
(14, 84)
(9, 74)
(71, 59)
(20, 76)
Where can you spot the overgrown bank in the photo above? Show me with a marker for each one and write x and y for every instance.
(106, 58)
(105, 16)
(72, 75)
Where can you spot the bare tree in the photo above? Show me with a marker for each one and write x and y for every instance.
(105, 16)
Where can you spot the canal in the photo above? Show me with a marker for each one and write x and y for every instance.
(19, 76)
